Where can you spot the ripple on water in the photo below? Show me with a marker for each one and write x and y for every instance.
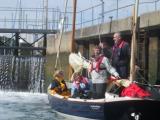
(25, 106)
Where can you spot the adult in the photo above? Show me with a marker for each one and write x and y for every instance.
(99, 69)
(120, 55)
(105, 49)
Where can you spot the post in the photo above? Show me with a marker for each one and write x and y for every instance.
(102, 11)
(110, 26)
(44, 44)
(16, 44)
(73, 35)
(155, 5)
(46, 15)
(117, 10)
(20, 14)
(73, 26)
(133, 43)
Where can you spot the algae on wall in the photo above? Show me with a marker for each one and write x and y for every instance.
(153, 60)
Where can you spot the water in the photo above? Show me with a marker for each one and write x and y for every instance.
(22, 73)
(26, 106)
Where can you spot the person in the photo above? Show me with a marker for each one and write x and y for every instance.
(120, 55)
(80, 86)
(58, 85)
(105, 49)
(99, 69)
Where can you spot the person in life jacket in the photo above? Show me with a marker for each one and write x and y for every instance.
(120, 56)
(105, 49)
(58, 85)
(99, 70)
(80, 86)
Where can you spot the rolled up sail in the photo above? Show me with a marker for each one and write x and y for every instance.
(78, 62)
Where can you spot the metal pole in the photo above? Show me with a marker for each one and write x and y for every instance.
(155, 5)
(4, 40)
(26, 22)
(5, 22)
(102, 11)
(20, 13)
(92, 15)
(36, 19)
(46, 15)
(16, 50)
(12, 22)
(81, 20)
(117, 10)
(110, 27)
(44, 44)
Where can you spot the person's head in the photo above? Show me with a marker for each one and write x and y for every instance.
(103, 44)
(117, 37)
(77, 77)
(59, 74)
(97, 50)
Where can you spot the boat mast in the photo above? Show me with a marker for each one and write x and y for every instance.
(73, 34)
(133, 42)
(73, 26)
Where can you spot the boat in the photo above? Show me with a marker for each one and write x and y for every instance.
(112, 107)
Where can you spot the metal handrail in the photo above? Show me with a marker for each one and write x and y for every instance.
(92, 17)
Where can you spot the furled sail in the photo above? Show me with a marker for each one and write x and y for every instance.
(78, 62)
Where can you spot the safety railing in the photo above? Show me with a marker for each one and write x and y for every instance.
(34, 18)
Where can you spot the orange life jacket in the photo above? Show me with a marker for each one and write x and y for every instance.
(98, 62)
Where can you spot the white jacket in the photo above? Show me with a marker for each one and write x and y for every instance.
(102, 75)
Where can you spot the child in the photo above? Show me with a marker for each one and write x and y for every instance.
(58, 85)
(80, 87)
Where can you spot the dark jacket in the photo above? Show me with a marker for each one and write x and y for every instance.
(120, 58)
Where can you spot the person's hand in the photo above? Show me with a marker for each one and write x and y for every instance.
(113, 78)
(117, 77)
(137, 68)
(90, 68)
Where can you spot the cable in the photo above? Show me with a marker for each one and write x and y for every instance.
(61, 34)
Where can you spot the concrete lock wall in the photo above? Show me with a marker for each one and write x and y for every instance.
(52, 47)
(153, 60)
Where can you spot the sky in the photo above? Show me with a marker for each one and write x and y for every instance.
(81, 4)
(9, 16)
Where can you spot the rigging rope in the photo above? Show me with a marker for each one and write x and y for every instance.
(60, 38)
(99, 31)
